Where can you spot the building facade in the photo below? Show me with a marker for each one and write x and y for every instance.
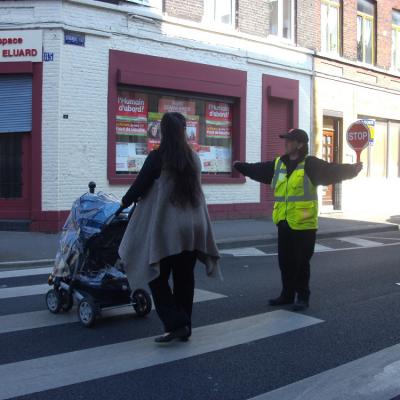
(84, 83)
(109, 69)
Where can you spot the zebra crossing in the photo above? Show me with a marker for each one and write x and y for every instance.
(323, 245)
(372, 377)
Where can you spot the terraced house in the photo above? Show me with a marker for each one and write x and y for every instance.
(83, 89)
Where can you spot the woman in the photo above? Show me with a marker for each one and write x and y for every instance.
(170, 229)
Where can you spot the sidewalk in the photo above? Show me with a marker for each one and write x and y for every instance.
(30, 248)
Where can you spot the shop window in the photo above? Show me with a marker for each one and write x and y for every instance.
(220, 12)
(209, 128)
(330, 26)
(281, 18)
(396, 40)
(366, 31)
(394, 150)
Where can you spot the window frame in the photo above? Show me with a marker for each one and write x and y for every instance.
(396, 47)
(138, 70)
(209, 17)
(279, 35)
(370, 18)
(338, 5)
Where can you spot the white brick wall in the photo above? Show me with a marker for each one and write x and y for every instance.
(76, 83)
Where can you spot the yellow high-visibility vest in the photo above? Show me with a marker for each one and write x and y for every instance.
(296, 198)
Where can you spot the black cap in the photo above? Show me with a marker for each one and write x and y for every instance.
(296, 134)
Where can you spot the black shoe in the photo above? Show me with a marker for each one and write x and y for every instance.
(281, 301)
(300, 305)
(181, 333)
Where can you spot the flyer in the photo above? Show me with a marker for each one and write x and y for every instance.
(153, 129)
(132, 114)
(171, 104)
(215, 159)
(130, 156)
(192, 128)
(218, 120)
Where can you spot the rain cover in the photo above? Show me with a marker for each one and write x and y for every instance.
(88, 215)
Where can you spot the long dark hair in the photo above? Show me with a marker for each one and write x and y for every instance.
(177, 157)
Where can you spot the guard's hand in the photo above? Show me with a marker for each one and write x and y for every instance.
(234, 163)
(358, 167)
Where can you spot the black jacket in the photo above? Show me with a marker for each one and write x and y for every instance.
(319, 171)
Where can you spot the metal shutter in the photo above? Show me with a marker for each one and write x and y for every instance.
(15, 103)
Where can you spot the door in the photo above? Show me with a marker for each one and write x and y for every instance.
(15, 150)
(328, 154)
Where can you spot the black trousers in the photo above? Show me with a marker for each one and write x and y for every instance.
(295, 249)
(174, 306)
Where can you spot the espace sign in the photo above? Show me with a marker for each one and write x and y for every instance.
(17, 46)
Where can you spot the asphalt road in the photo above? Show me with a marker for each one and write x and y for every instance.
(345, 346)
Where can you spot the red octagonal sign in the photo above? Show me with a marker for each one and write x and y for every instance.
(358, 137)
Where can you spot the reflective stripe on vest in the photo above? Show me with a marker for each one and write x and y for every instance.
(296, 198)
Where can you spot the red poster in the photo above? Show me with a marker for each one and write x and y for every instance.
(218, 113)
(169, 104)
(132, 106)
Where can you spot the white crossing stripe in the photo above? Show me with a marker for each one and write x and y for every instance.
(40, 374)
(16, 273)
(244, 252)
(320, 248)
(360, 242)
(374, 377)
(41, 319)
(22, 291)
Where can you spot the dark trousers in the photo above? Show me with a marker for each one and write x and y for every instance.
(295, 249)
(174, 307)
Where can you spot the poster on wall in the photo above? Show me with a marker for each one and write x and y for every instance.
(153, 131)
(218, 120)
(130, 156)
(132, 114)
(192, 129)
(170, 104)
(215, 159)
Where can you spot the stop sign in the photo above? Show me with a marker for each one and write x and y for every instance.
(358, 137)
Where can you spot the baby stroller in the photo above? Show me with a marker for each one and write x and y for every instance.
(87, 266)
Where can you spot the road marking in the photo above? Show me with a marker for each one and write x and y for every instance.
(25, 262)
(16, 273)
(41, 319)
(320, 248)
(383, 237)
(360, 242)
(244, 252)
(45, 373)
(374, 377)
(22, 291)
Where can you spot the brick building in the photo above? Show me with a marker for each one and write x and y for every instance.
(242, 71)
(111, 68)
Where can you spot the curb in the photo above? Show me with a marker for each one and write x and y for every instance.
(271, 239)
(229, 243)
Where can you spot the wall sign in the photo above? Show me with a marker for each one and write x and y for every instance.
(18, 46)
(74, 38)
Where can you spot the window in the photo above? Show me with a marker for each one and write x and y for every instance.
(365, 31)
(281, 18)
(396, 40)
(394, 150)
(330, 26)
(220, 12)
(382, 158)
(209, 127)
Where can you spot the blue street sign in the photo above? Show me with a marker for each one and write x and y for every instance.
(76, 39)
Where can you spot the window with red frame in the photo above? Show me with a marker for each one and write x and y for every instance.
(139, 112)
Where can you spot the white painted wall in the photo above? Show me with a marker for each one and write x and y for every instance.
(76, 84)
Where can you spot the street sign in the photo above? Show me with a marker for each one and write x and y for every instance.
(358, 137)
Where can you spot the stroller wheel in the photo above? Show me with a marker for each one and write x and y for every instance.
(141, 302)
(53, 302)
(87, 312)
